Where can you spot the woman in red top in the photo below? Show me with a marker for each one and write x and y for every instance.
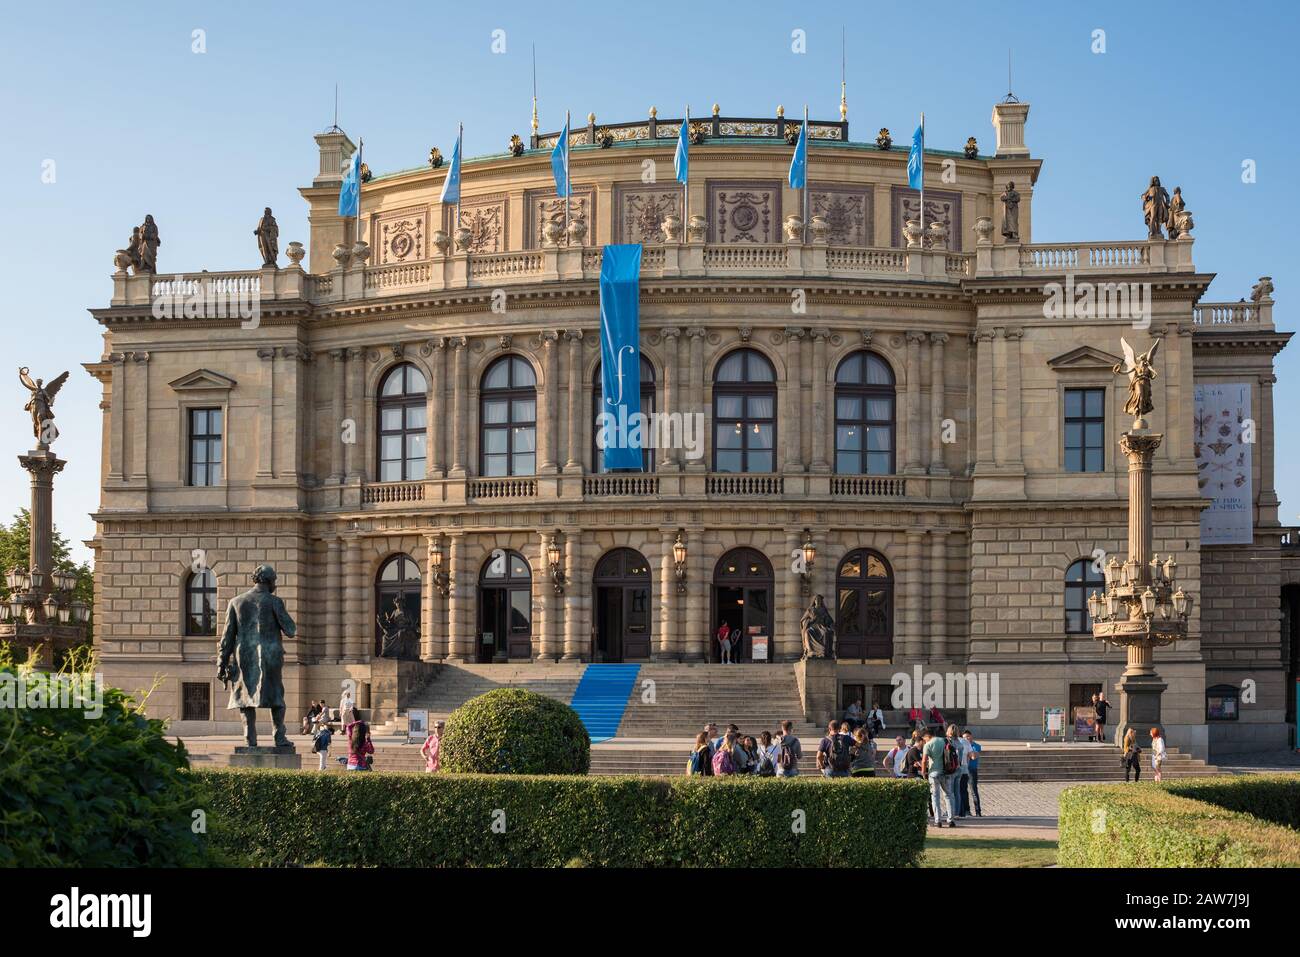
(360, 746)
(724, 642)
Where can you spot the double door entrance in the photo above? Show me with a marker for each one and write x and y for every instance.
(622, 619)
(742, 597)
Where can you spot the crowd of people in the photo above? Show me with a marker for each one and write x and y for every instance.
(356, 734)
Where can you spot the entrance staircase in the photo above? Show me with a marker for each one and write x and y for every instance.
(601, 698)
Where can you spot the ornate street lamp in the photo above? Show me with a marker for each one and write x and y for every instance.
(809, 559)
(553, 556)
(1142, 606)
(441, 580)
(16, 579)
(80, 612)
(679, 560)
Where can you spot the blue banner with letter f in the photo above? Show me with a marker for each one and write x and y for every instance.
(620, 356)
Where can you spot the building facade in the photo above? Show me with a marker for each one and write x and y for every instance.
(409, 424)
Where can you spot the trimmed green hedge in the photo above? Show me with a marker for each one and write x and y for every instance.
(1270, 797)
(513, 731)
(394, 819)
(1164, 825)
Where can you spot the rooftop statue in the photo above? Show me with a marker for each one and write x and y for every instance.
(268, 239)
(1011, 214)
(41, 406)
(1140, 372)
(1155, 208)
(148, 247)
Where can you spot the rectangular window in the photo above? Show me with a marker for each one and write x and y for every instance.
(196, 701)
(205, 446)
(1085, 428)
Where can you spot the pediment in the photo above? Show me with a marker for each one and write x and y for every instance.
(204, 380)
(1086, 358)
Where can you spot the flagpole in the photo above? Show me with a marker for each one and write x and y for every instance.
(568, 144)
(460, 150)
(361, 155)
(686, 186)
(806, 164)
(922, 178)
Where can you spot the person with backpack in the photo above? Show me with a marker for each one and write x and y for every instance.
(722, 760)
(863, 755)
(834, 752)
(894, 757)
(970, 782)
(1132, 760)
(699, 761)
(767, 754)
(954, 765)
(321, 744)
(789, 752)
(932, 768)
(914, 757)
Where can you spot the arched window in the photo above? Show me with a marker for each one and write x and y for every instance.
(647, 407)
(403, 425)
(397, 608)
(201, 603)
(1081, 580)
(864, 620)
(744, 413)
(508, 419)
(505, 602)
(864, 416)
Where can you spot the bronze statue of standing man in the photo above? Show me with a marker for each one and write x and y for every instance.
(250, 657)
(149, 243)
(268, 239)
(1011, 214)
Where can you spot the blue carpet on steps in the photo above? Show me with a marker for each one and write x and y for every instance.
(601, 698)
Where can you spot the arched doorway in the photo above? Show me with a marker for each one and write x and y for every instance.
(742, 597)
(397, 608)
(622, 583)
(864, 608)
(505, 603)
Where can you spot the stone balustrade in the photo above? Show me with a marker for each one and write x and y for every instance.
(1258, 315)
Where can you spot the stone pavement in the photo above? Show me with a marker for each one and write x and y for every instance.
(1025, 809)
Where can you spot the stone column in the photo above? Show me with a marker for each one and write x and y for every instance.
(437, 460)
(790, 647)
(820, 462)
(117, 422)
(938, 599)
(339, 360)
(1265, 433)
(460, 410)
(696, 335)
(578, 580)
(1013, 427)
(266, 416)
(42, 465)
(356, 405)
(983, 418)
(938, 403)
(139, 387)
(914, 340)
(573, 463)
(333, 598)
(912, 646)
(695, 638)
(358, 640)
(670, 459)
(549, 432)
(792, 407)
(428, 633)
(460, 638)
(666, 647)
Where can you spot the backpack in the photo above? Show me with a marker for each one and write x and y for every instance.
(838, 756)
(722, 762)
(321, 742)
(951, 757)
(766, 768)
(786, 756)
(693, 763)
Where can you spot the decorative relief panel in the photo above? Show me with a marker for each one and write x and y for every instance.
(639, 212)
(940, 206)
(484, 217)
(543, 205)
(745, 212)
(402, 235)
(847, 211)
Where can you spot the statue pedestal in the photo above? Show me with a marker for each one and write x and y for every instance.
(817, 691)
(266, 757)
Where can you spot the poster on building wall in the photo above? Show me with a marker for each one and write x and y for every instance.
(1223, 436)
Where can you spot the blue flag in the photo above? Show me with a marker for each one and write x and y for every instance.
(451, 185)
(682, 159)
(620, 357)
(560, 162)
(916, 160)
(350, 191)
(799, 163)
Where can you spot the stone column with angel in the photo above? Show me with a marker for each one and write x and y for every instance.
(1140, 372)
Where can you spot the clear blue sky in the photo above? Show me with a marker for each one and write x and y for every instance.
(136, 122)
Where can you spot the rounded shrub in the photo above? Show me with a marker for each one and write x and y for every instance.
(93, 784)
(513, 731)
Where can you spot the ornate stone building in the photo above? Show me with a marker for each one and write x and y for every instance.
(409, 424)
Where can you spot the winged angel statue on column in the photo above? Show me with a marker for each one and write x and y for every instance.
(1140, 372)
(41, 406)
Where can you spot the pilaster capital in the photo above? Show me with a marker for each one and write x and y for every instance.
(573, 336)
(697, 332)
(460, 343)
(338, 355)
(938, 338)
(267, 352)
(1015, 333)
(671, 332)
(1268, 380)
(794, 333)
(915, 337)
(548, 337)
(819, 335)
